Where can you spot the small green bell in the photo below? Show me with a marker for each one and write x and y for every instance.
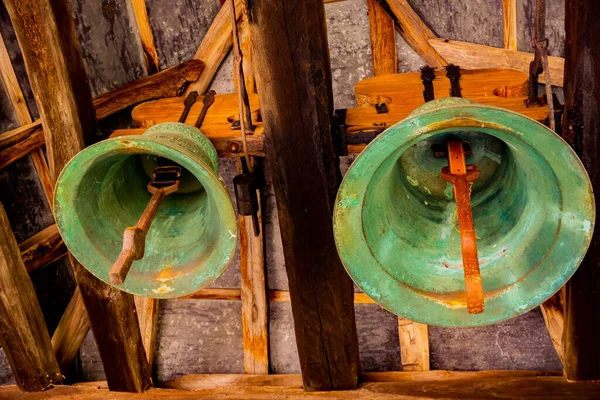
(396, 223)
(104, 190)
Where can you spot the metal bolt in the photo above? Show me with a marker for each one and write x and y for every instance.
(234, 147)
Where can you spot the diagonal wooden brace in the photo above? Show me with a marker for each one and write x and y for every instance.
(460, 175)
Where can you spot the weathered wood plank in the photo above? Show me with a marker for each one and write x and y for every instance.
(477, 56)
(291, 61)
(414, 345)
(414, 31)
(70, 332)
(42, 249)
(143, 24)
(582, 129)
(168, 83)
(402, 386)
(509, 14)
(383, 40)
(24, 140)
(253, 295)
(46, 34)
(23, 332)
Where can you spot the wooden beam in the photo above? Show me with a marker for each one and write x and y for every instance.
(255, 310)
(143, 24)
(582, 130)
(385, 385)
(245, 47)
(509, 14)
(25, 140)
(46, 33)
(214, 47)
(291, 60)
(414, 31)
(553, 311)
(24, 117)
(23, 333)
(147, 312)
(57, 75)
(168, 83)
(70, 332)
(414, 345)
(383, 40)
(478, 56)
(42, 249)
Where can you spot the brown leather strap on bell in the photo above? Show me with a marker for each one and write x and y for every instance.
(460, 175)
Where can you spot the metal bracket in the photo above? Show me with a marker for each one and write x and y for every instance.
(427, 76)
(453, 73)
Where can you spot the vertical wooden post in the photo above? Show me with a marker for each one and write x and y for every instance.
(293, 73)
(23, 332)
(582, 129)
(46, 33)
(383, 40)
(414, 345)
(255, 310)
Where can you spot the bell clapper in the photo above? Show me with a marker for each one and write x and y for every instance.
(165, 182)
(461, 175)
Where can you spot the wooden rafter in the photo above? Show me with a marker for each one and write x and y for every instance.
(214, 47)
(415, 32)
(19, 104)
(146, 36)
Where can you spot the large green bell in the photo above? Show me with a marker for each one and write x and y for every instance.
(395, 219)
(103, 190)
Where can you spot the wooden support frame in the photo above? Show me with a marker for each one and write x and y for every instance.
(294, 86)
(253, 294)
(428, 385)
(582, 129)
(23, 332)
(57, 76)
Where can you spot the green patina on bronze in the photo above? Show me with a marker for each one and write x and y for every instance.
(395, 225)
(103, 190)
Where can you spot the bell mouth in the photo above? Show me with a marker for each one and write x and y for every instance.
(395, 217)
(103, 190)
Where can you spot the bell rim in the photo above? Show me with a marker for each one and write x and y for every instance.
(411, 306)
(66, 193)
